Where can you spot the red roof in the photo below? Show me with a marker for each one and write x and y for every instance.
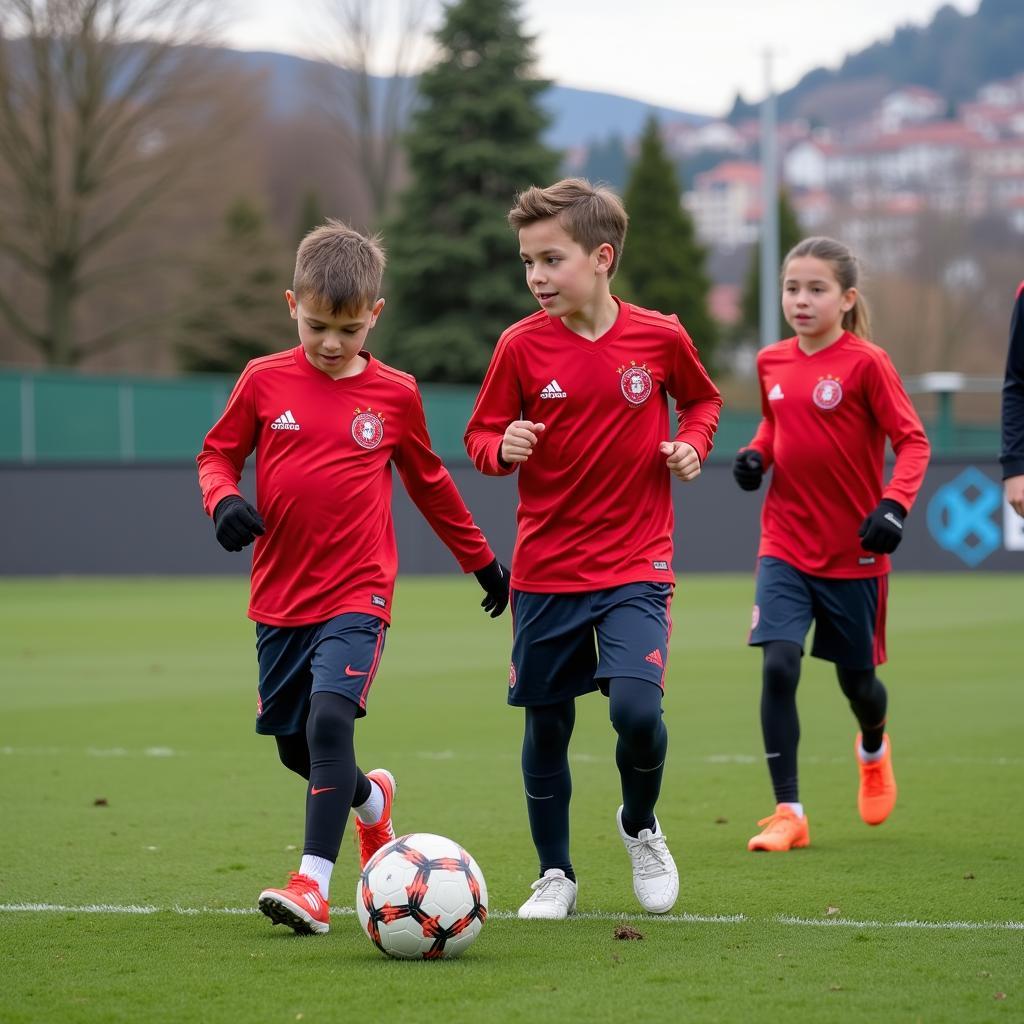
(937, 133)
(737, 171)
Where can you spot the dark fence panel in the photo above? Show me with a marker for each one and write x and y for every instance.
(147, 519)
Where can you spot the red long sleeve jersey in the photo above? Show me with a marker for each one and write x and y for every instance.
(595, 506)
(324, 450)
(826, 418)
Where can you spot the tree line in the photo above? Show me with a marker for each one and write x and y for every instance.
(136, 217)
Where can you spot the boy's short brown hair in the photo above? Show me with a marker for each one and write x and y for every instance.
(590, 214)
(339, 267)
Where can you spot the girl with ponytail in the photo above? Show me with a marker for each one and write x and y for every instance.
(830, 399)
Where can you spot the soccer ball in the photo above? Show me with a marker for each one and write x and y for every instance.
(422, 897)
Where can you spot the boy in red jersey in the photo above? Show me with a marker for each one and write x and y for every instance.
(830, 399)
(574, 399)
(326, 421)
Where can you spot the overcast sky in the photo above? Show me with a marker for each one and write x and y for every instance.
(690, 54)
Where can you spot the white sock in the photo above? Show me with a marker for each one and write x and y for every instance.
(874, 755)
(370, 812)
(319, 869)
(797, 809)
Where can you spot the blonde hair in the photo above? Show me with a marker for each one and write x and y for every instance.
(338, 267)
(590, 214)
(846, 268)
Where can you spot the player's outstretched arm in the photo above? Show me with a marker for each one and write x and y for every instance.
(237, 523)
(682, 459)
(494, 579)
(519, 440)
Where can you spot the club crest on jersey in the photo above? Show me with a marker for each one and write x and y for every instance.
(368, 429)
(636, 383)
(827, 393)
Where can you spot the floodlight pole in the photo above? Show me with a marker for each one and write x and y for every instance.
(769, 213)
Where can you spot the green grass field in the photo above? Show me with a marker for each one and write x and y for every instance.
(131, 779)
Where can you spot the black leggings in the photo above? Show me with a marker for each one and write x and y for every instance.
(325, 755)
(634, 707)
(780, 723)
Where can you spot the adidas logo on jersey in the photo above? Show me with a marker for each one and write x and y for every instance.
(655, 658)
(286, 421)
(776, 393)
(553, 390)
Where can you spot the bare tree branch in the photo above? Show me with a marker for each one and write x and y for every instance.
(104, 105)
(376, 91)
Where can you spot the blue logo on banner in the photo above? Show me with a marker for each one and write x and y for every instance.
(960, 516)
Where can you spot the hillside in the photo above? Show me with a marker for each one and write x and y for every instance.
(578, 115)
(953, 55)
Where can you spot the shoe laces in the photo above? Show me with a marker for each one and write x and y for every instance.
(873, 777)
(301, 883)
(650, 855)
(778, 822)
(549, 889)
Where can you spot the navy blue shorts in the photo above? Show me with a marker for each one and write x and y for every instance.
(848, 615)
(565, 645)
(340, 655)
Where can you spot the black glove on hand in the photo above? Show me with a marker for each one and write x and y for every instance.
(882, 530)
(494, 579)
(237, 523)
(748, 469)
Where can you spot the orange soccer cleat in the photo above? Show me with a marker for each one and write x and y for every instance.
(877, 794)
(298, 905)
(373, 837)
(781, 831)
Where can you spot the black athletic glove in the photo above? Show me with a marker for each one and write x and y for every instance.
(494, 579)
(237, 523)
(882, 530)
(748, 469)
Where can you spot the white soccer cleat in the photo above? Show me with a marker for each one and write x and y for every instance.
(655, 877)
(553, 899)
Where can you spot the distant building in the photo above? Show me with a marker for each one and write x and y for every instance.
(806, 164)
(996, 178)
(1007, 92)
(814, 208)
(725, 203)
(886, 229)
(994, 120)
(912, 104)
(921, 156)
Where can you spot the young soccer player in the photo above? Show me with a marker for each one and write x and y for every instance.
(830, 399)
(327, 421)
(575, 401)
(1012, 458)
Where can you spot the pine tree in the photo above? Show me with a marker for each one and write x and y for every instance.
(311, 214)
(455, 281)
(607, 162)
(663, 263)
(236, 310)
(750, 303)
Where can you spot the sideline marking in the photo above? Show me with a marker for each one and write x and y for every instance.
(510, 915)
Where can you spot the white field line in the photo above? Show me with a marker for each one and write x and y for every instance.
(741, 759)
(509, 915)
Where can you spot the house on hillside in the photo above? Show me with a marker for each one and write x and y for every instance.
(911, 104)
(996, 176)
(726, 204)
(927, 158)
(805, 165)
